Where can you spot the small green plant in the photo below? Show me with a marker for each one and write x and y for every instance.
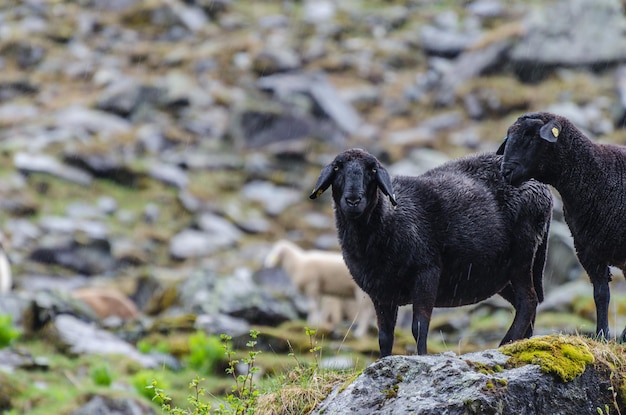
(205, 352)
(8, 333)
(244, 392)
(102, 374)
(241, 400)
(145, 346)
(197, 406)
(144, 383)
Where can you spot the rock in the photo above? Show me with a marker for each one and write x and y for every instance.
(192, 243)
(89, 121)
(106, 165)
(240, 297)
(468, 65)
(220, 227)
(45, 306)
(475, 383)
(41, 163)
(13, 359)
(74, 337)
(107, 302)
(124, 96)
(324, 94)
(222, 324)
(571, 33)
(13, 89)
(66, 225)
(562, 265)
(102, 404)
(274, 199)
(446, 37)
(168, 174)
(90, 258)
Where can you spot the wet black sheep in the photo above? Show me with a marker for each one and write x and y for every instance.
(591, 179)
(453, 236)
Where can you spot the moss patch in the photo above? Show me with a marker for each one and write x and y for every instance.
(564, 356)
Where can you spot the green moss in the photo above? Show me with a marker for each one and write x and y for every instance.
(564, 356)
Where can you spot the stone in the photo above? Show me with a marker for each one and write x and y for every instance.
(474, 383)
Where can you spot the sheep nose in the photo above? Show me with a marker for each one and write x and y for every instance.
(353, 200)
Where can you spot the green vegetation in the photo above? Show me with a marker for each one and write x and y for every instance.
(297, 391)
(205, 353)
(8, 333)
(564, 356)
(102, 374)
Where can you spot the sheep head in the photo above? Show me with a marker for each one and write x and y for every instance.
(526, 144)
(355, 177)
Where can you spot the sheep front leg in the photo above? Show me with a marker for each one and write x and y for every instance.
(600, 276)
(602, 297)
(386, 315)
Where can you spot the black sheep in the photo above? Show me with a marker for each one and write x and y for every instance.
(591, 180)
(455, 235)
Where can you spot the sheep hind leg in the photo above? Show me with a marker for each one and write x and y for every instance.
(525, 303)
(509, 295)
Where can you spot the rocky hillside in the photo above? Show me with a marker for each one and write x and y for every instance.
(152, 151)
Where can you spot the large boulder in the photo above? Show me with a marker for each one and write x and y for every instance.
(560, 380)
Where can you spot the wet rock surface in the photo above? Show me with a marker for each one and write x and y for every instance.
(465, 384)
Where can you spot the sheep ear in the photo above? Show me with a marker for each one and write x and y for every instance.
(384, 183)
(323, 182)
(500, 150)
(550, 131)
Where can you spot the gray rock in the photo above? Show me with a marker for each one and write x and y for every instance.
(102, 404)
(68, 226)
(446, 37)
(321, 90)
(90, 258)
(191, 243)
(274, 199)
(468, 65)
(240, 297)
(220, 227)
(450, 384)
(486, 8)
(41, 163)
(10, 360)
(106, 165)
(571, 33)
(123, 96)
(76, 337)
(91, 121)
(217, 324)
(169, 174)
(562, 265)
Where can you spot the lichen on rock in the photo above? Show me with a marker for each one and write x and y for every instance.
(564, 356)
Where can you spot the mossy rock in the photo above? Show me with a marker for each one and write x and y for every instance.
(564, 356)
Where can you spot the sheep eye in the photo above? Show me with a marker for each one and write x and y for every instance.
(336, 168)
(373, 169)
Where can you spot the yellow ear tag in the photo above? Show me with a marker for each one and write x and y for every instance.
(319, 193)
(555, 132)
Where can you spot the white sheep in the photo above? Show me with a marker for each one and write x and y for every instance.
(325, 280)
(6, 278)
